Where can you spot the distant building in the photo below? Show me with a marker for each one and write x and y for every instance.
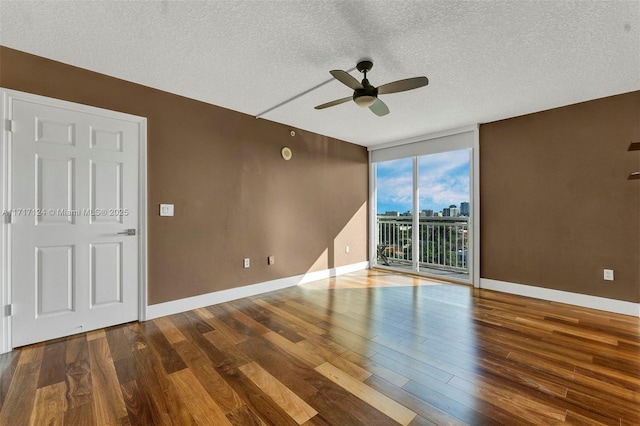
(464, 208)
(451, 211)
(391, 213)
(407, 213)
(427, 212)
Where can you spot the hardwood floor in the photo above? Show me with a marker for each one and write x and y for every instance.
(371, 347)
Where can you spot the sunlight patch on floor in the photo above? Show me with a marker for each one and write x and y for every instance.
(372, 278)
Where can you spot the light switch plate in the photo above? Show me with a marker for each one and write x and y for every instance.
(166, 209)
(608, 274)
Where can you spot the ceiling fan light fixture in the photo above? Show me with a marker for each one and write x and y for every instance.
(365, 101)
(365, 95)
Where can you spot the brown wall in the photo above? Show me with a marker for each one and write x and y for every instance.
(234, 195)
(556, 205)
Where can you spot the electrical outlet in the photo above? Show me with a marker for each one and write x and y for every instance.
(346, 249)
(271, 260)
(608, 274)
(247, 262)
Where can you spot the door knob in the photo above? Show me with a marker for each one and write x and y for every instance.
(128, 232)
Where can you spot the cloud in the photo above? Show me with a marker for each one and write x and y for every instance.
(443, 180)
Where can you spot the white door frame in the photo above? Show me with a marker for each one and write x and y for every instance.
(8, 96)
(474, 172)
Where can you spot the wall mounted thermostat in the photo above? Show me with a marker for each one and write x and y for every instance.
(166, 209)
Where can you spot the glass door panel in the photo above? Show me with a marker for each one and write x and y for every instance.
(394, 213)
(444, 214)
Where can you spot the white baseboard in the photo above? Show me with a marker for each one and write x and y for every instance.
(577, 299)
(189, 303)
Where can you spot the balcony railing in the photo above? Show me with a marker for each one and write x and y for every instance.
(443, 242)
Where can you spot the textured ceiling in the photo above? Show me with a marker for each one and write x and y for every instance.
(486, 60)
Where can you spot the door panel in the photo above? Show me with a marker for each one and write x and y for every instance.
(106, 273)
(74, 190)
(54, 290)
(106, 191)
(54, 188)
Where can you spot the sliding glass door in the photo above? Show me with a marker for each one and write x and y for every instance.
(444, 207)
(394, 208)
(423, 209)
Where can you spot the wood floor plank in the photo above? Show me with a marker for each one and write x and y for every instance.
(217, 388)
(384, 373)
(328, 400)
(271, 321)
(159, 392)
(256, 400)
(286, 368)
(118, 344)
(8, 365)
(168, 328)
(96, 334)
(342, 363)
(372, 397)
(591, 419)
(171, 361)
(221, 342)
(518, 405)
(301, 353)
(22, 392)
(80, 415)
(308, 326)
(299, 410)
(78, 372)
(248, 321)
(202, 407)
(231, 334)
(415, 404)
(133, 334)
(32, 353)
(138, 408)
(53, 363)
(244, 416)
(460, 405)
(49, 405)
(107, 396)
(226, 314)
(77, 349)
(79, 383)
(126, 369)
(364, 412)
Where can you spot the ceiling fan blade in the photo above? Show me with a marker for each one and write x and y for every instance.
(346, 79)
(332, 103)
(402, 85)
(379, 108)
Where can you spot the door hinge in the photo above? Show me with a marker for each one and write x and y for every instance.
(8, 310)
(8, 218)
(10, 125)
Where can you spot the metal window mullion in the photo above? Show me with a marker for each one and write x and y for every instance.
(416, 219)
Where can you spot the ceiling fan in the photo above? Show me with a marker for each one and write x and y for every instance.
(365, 95)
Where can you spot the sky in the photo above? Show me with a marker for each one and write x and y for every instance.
(443, 177)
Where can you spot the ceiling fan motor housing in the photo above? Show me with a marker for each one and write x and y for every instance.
(367, 95)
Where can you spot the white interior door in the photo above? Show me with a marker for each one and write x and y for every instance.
(74, 191)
